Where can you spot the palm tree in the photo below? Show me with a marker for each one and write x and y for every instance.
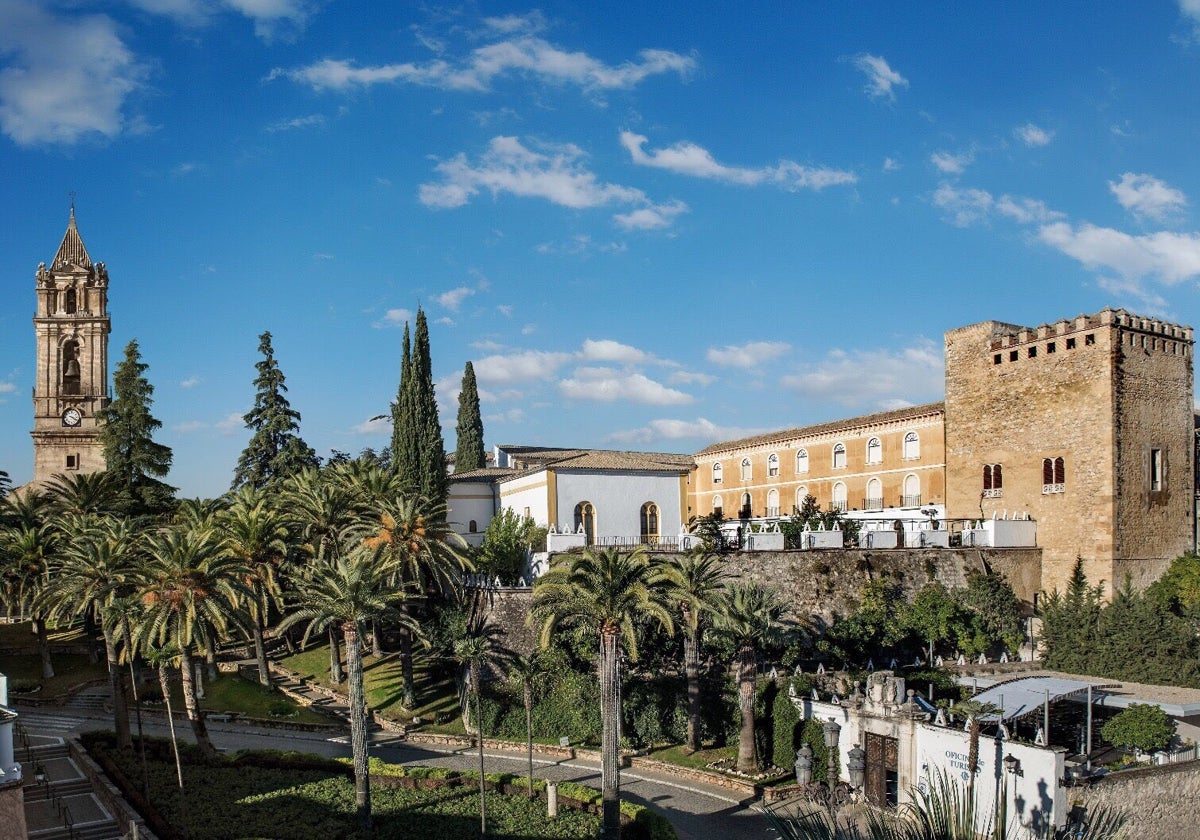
(478, 650)
(697, 585)
(530, 673)
(255, 534)
(95, 571)
(25, 552)
(198, 513)
(344, 592)
(190, 586)
(605, 590)
(161, 658)
(750, 618)
(973, 711)
(83, 493)
(424, 550)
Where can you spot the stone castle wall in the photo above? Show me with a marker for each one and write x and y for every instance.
(1160, 802)
(817, 583)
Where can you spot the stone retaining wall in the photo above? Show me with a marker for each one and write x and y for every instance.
(1161, 802)
(108, 793)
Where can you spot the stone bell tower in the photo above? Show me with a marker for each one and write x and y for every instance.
(71, 391)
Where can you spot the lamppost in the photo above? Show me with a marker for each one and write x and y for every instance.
(1012, 769)
(832, 733)
(856, 766)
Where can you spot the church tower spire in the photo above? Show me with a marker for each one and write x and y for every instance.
(71, 326)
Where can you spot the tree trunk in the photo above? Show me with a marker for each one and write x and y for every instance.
(691, 669)
(260, 652)
(974, 728)
(746, 762)
(529, 732)
(610, 733)
(479, 738)
(116, 687)
(335, 657)
(43, 641)
(358, 727)
(165, 684)
(376, 638)
(406, 670)
(195, 716)
(210, 660)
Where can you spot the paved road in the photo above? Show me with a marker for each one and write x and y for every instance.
(697, 811)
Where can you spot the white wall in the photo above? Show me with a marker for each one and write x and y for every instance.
(467, 500)
(618, 498)
(527, 491)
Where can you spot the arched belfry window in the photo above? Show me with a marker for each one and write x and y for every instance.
(70, 304)
(70, 368)
(649, 519)
(585, 516)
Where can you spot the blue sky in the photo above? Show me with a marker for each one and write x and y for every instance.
(650, 226)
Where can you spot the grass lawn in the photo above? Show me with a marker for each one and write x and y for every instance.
(437, 695)
(232, 693)
(69, 670)
(699, 760)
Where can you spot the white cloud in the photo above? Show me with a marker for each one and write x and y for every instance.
(685, 377)
(308, 121)
(189, 426)
(1149, 303)
(505, 309)
(65, 78)
(607, 385)
(231, 423)
(580, 243)
(534, 21)
(666, 429)
(7, 387)
(873, 378)
(183, 12)
(686, 158)
(1168, 257)
(274, 18)
(190, 382)
(607, 350)
(891, 165)
(509, 417)
(528, 329)
(749, 355)
(394, 318)
(1146, 197)
(445, 322)
(519, 366)
(320, 255)
(1032, 135)
(374, 426)
(881, 78)
(654, 217)
(453, 299)
(526, 55)
(966, 206)
(1191, 9)
(555, 173)
(950, 163)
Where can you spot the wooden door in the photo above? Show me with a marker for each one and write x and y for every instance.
(882, 782)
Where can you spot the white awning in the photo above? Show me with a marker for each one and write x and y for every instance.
(1027, 695)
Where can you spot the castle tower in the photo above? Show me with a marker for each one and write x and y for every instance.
(71, 390)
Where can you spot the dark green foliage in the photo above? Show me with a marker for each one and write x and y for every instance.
(813, 734)
(418, 451)
(1146, 637)
(655, 711)
(132, 455)
(871, 631)
(787, 729)
(993, 615)
(5, 484)
(934, 615)
(810, 514)
(505, 542)
(275, 450)
(468, 452)
(1180, 584)
(707, 530)
(1142, 726)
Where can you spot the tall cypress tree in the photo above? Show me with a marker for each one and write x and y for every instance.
(405, 460)
(431, 448)
(130, 451)
(276, 449)
(468, 452)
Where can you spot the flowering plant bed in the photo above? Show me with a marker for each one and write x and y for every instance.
(728, 766)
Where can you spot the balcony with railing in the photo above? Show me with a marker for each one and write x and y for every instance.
(873, 504)
(838, 505)
(910, 500)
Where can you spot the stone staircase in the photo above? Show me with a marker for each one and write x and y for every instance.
(64, 806)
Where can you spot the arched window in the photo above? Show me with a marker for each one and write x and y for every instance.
(70, 367)
(802, 461)
(801, 495)
(717, 508)
(585, 517)
(874, 500)
(874, 451)
(912, 446)
(839, 456)
(747, 469)
(717, 473)
(472, 527)
(745, 512)
(649, 518)
(993, 481)
(773, 464)
(839, 497)
(912, 491)
(772, 502)
(1054, 475)
(69, 301)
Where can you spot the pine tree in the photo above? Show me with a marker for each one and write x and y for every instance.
(127, 436)
(276, 449)
(468, 453)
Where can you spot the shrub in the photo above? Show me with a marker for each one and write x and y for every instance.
(1141, 727)
(787, 730)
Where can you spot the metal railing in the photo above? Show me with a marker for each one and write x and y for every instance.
(667, 543)
(910, 501)
(1048, 489)
(873, 504)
